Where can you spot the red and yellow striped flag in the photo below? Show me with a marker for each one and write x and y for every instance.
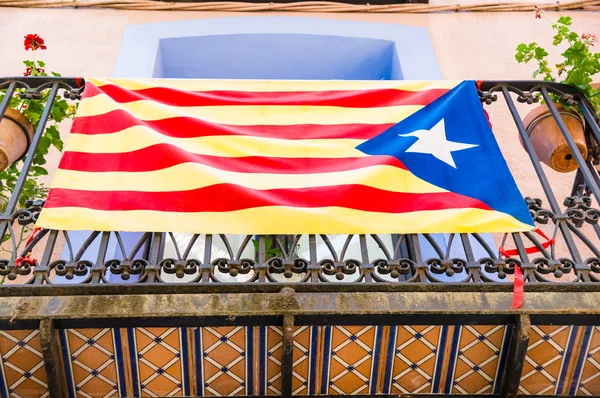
(252, 157)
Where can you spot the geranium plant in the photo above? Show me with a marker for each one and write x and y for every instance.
(579, 62)
(32, 109)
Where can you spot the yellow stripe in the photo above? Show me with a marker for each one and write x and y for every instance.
(177, 178)
(282, 220)
(274, 85)
(232, 146)
(250, 115)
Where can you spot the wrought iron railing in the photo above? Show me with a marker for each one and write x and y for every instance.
(568, 259)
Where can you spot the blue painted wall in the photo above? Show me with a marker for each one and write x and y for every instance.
(289, 47)
(277, 56)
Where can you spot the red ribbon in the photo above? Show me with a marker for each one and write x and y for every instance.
(518, 288)
(518, 283)
(33, 234)
(529, 250)
(27, 259)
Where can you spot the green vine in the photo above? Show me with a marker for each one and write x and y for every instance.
(33, 109)
(579, 63)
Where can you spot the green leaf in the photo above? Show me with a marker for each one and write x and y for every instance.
(55, 74)
(29, 64)
(565, 21)
(540, 53)
(54, 135)
(59, 112)
(557, 40)
(41, 64)
(39, 170)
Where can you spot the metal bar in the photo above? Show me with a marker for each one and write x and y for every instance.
(517, 350)
(472, 265)
(538, 168)
(590, 120)
(12, 203)
(38, 81)
(7, 96)
(3, 107)
(313, 265)
(287, 361)
(97, 270)
(587, 174)
(53, 365)
(526, 85)
(539, 171)
(577, 182)
(41, 272)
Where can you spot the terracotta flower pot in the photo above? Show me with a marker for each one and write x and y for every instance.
(548, 141)
(16, 131)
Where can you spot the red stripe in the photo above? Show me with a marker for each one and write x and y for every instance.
(160, 156)
(230, 197)
(346, 98)
(187, 127)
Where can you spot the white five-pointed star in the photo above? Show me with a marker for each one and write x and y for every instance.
(434, 142)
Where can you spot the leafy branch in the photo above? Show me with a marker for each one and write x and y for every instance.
(579, 63)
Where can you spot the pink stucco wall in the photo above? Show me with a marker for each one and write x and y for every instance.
(467, 46)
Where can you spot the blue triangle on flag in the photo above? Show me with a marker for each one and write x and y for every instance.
(450, 144)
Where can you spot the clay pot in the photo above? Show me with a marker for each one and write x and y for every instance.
(549, 143)
(16, 132)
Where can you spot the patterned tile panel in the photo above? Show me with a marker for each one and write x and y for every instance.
(351, 359)
(477, 357)
(546, 363)
(414, 359)
(304, 352)
(224, 360)
(229, 361)
(586, 380)
(22, 367)
(159, 361)
(93, 362)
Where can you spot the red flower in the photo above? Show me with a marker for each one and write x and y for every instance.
(28, 71)
(538, 12)
(591, 38)
(25, 260)
(33, 42)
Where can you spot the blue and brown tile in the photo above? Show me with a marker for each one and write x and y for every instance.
(414, 359)
(477, 359)
(547, 361)
(224, 360)
(586, 379)
(22, 367)
(159, 360)
(351, 359)
(93, 362)
(303, 354)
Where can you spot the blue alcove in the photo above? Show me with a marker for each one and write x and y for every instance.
(277, 56)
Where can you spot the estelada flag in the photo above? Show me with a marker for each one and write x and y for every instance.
(283, 157)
